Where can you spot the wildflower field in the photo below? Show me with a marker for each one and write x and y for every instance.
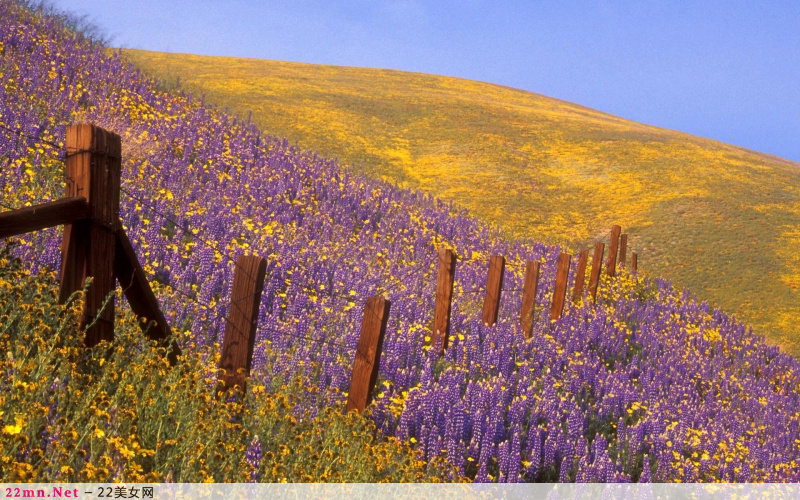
(716, 219)
(646, 384)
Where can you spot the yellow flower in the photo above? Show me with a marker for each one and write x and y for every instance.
(12, 429)
(125, 452)
(99, 433)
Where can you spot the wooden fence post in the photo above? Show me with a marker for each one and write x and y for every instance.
(240, 329)
(529, 298)
(560, 291)
(597, 265)
(368, 353)
(580, 276)
(93, 163)
(445, 272)
(623, 248)
(93, 170)
(634, 262)
(494, 286)
(612, 251)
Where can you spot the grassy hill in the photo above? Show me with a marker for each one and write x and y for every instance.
(643, 384)
(717, 219)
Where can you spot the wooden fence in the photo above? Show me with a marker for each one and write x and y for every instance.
(95, 245)
(446, 271)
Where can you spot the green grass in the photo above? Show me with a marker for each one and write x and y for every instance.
(717, 219)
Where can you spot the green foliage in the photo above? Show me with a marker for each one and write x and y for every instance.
(118, 412)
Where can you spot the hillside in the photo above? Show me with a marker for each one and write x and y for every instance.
(645, 384)
(716, 219)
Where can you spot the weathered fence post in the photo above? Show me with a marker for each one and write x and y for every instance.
(612, 251)
(240, 328)
(94, 243)
(445, 272)
(368, 353)
(623, 248)
(634, 262)
(93, 161)
(560, 291)
(597, 265)
(494, 285)
(580, 276)
(529, 297)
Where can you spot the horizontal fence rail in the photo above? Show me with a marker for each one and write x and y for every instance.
(95, 245)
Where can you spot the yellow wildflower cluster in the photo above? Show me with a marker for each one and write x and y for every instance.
(119, 412)
(539, 167)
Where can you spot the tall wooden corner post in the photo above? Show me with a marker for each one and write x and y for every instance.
(93, 164)
(94, 243)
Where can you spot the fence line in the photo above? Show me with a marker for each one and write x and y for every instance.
(95, 244)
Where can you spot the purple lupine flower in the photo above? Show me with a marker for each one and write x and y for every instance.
(645, 477)
(662, 467)
(582, 475)
(563, 473)
(433, 444)
(514, 456)
(503, 461)
(253, 458)
(535, 453)
(483, 473)
(620, 477)
(562, 447)
(575, 423)
(339, 222)
(549, 450)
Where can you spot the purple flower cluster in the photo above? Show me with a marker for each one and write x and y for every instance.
(646, 385)
(253, 458)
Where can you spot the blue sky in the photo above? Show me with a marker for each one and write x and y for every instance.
(725, 70)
